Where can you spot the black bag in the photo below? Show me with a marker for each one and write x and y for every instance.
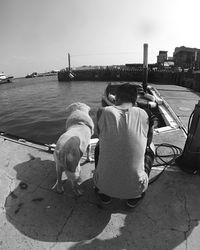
(189, 161)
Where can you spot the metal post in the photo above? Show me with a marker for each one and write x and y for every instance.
(145, 66)
(69, 66)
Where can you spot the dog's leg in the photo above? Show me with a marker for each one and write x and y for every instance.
(88, 151)
(76, 188)
(75, 179)
(58, 186)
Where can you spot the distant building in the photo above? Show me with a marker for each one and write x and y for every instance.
(170, 58)
(169, 64)
(162, 57)
(138, 66)
(185, 57)
(163, 61)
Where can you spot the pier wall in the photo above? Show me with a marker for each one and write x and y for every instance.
(188, 80)
(185, 79)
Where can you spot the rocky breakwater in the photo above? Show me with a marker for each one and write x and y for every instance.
(185, 79)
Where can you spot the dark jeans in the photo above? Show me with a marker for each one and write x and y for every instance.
(148, 159)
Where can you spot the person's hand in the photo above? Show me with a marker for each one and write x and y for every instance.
(143, 182)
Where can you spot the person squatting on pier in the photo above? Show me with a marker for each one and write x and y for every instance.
(125, 153)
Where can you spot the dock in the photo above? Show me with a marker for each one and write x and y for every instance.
(33, 216)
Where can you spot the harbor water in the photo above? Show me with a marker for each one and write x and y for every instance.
(34, 108)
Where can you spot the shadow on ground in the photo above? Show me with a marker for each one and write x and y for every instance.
(42, 214)
(167, 218)
(164, 220)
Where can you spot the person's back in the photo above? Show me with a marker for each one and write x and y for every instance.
(123, 139)
(123, 157)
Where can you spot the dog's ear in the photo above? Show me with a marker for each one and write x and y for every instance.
(77, 106)
(84, 107)
(71, 108)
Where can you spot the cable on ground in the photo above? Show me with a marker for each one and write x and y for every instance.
(165, 160)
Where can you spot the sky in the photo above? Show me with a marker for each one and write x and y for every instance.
(36, 35)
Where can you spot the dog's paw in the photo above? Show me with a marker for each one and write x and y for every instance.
(58, 189)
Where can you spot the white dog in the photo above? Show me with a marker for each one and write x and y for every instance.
(72, 145)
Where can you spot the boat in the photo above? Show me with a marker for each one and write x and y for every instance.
(34, 74)
(144, 100)
(5, 79)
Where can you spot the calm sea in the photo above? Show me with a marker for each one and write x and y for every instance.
(34, 108)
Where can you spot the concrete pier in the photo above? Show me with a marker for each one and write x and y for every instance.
(32, 216)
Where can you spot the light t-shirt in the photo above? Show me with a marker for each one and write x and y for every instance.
(123, 139)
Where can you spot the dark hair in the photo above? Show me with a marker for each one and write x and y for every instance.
(127, 93)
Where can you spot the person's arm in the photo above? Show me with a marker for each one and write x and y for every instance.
(96, 150)
(99, 112)
(152, 119)
(150, 136)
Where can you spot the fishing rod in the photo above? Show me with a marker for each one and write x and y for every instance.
(31, 143)
(28, 142)
(49, 148)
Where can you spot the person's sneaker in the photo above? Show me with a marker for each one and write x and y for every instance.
(134, 202)
(105, 199)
